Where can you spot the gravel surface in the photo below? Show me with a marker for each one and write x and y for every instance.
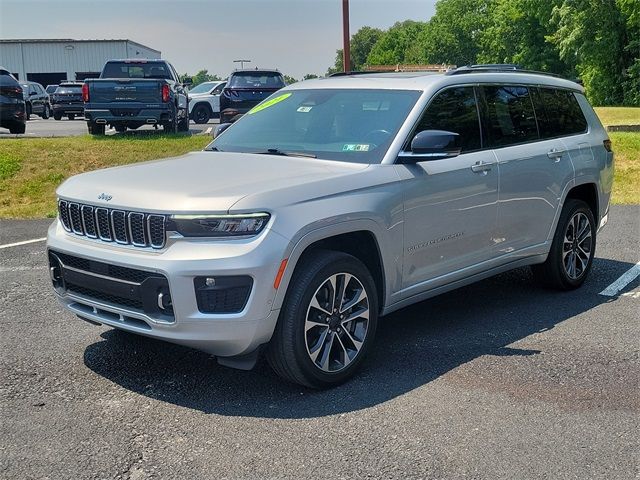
(498, 380)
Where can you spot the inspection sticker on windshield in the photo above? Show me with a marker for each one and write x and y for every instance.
(304, 109)
(269, 103)
(355, 147)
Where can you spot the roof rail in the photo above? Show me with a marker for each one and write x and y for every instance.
(496, 67)
(356, 72)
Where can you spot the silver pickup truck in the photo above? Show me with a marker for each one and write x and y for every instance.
(333, 202)
(132, 93)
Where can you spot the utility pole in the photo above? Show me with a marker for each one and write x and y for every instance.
(242, 62)
(346, 37)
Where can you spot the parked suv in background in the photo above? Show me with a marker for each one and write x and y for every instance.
(12, 107)
(204, 101)
(333, 202)
(67, 100)
(36, 99)
(245, 89)
(50, 89)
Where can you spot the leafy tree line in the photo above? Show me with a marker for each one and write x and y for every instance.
(597, 41)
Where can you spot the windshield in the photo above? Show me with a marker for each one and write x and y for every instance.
(202, 88)
(136, 70)
(256, 79)
(348, 125)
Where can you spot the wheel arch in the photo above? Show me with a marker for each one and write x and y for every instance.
(588, 193)
(357, 240)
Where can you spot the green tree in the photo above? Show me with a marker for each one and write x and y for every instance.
(594, 35)
(398, 45)
(453, 33)
(361, 44)
(201, 77)
(517, 33)
(310, 76)
(289, 80)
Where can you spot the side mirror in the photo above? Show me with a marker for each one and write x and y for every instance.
(432, 145)
(188, 81)
(220, 128)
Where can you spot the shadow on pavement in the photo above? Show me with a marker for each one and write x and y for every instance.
(414, 346)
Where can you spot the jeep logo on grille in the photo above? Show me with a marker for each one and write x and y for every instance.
(105, 197)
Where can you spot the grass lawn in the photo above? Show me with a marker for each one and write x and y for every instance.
(32, 168)
(618, 115)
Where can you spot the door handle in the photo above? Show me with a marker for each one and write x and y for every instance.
(481, 167)
(555, 154)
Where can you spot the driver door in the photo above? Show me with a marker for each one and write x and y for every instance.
(450, 205)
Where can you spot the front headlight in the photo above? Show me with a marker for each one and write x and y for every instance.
(241, 225)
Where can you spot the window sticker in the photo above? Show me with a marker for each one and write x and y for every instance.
(356, 147)
(304, 109)
(269, 103)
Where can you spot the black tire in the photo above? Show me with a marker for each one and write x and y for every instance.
(71, 116)
(46, 113)
(183, 125)
(569, 262)
(57, 116)
(201, 113)
(96, 129)
(121, 128)
(28, 111)
(18, 128)
(171, 127)
(288, 353)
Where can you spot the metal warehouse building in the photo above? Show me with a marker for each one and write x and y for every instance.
(52, 61)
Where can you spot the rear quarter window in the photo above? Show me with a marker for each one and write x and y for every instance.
(559, 113)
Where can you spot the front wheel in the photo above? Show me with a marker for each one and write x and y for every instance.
(71, 116)
(57, 116)
(572, 250)
(17, 128)
(201, 114)
(328, 321)
(46, 113)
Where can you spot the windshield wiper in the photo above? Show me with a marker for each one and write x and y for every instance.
(213, 149)
(284, 153)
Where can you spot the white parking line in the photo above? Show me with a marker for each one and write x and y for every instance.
(624, 280)
(23, 243)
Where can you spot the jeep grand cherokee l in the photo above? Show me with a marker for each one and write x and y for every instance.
(332, 203)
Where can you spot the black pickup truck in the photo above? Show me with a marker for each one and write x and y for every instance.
(132, 93)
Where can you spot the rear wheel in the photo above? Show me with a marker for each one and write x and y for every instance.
(17, 128)
(28, 111)
(71, 116)
(572, 250)
(201, 114)
(328, 321)
(95, 129)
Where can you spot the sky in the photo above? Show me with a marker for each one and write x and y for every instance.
(295, 36)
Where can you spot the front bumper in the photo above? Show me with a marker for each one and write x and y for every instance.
(225, 335)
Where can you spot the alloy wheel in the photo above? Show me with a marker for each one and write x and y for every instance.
(337, 322)
(577, 246)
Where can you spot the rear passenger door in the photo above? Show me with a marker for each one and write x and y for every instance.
(450, 204)
(533, 171)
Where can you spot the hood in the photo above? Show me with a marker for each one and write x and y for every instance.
(200, 181)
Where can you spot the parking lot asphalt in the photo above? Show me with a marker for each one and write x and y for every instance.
(37, 127)
(497, 380)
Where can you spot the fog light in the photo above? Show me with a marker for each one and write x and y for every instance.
(210, 282)
(222, 294)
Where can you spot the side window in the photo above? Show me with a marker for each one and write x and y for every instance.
(511, 116)
(455, 110)
(558, 113)
(32, 88)
(218, 89)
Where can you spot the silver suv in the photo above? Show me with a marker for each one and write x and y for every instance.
(333, 202)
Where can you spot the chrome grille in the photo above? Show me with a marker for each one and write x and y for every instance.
(126, 228)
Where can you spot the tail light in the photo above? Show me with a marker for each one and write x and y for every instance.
(85, 92)
(11, 91)
(607, 145)
(165, 93)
